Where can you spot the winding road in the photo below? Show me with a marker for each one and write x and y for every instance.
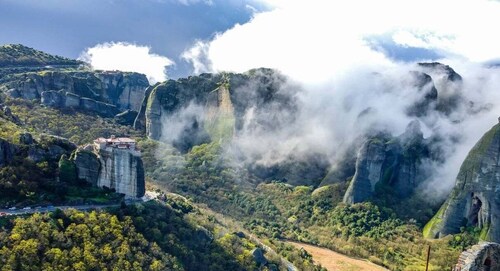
(24, 211)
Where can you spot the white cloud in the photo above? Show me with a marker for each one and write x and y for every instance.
(190, 2)
(323, 45)
(127, 57)
(313, 40)
(197, 55)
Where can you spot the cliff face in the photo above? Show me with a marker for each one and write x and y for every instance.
(119, 169)
(7, 151)
(474, 201)
(87, 165)
(232, 94)
(386, 162)
(106, 93)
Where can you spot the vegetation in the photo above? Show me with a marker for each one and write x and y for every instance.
(77, 126)
(20, 55)
(279, 211)
(74, 240)
(34, 176)
(173, 235)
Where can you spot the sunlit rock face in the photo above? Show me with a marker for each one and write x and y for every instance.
(475, 199)
(114, 163)
(104, 92)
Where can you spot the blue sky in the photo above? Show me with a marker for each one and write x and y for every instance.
(67, 27)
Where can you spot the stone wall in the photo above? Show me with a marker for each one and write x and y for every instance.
(484, 256)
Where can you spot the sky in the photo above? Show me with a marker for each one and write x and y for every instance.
(167, 27)
(176, 38)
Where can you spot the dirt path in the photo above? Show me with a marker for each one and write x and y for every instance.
(334, 261)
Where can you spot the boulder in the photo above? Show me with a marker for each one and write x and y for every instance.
(428, 94)
(7, 152)
(140, 120)
(121, 169)
(26, 138)
(258, 256)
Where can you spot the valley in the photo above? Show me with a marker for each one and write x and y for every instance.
(241, 181)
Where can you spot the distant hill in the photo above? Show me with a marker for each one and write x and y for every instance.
(20, 55)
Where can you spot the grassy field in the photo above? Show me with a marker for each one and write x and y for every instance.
(332, 260)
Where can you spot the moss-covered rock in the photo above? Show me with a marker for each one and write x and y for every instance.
(474, 201)
(389, 166)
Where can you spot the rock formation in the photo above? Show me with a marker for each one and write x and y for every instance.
(484, 256)
(104, 92)
(474, 201)
(259, 89)
(114, 163)
(49, 147)
(7, 151)
(59, 99)
(87, 165)
(384, 161)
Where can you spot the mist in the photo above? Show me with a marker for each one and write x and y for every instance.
(345, 89)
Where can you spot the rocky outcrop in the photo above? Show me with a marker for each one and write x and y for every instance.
(126, 117)
(7, 152)
(121, 170)
(260, 89)
(140, 120)
(474, 201)
(428, 93)
(116, 167)
(59, 99)
(448, 84)
(258, 256)
(49, 147)
(87, 165)
(20, 55)
(484, 256)
(386, 162)
(100, 91)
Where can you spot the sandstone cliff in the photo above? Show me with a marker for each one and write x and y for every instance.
(474, 201)
(106, 93)
(120, 169)
(386, 162)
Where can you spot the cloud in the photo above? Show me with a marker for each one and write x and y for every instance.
(127, 57)
(317, 40)
(351, 87)
(197, 56)
(191, 2)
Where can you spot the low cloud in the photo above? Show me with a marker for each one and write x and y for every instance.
(350, 87)
(127, 57)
